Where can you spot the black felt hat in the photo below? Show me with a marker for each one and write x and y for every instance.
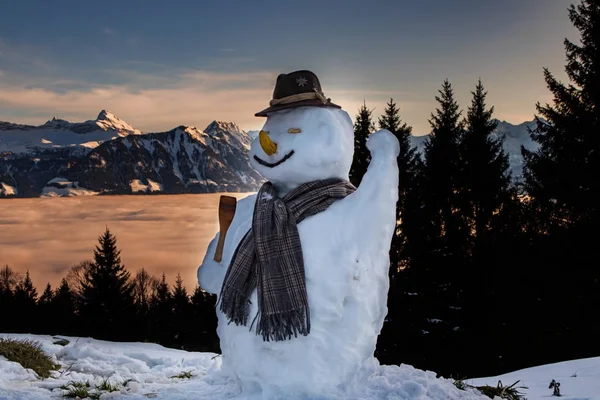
(297, 89)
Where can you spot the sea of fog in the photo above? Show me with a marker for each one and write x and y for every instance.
(162, 233)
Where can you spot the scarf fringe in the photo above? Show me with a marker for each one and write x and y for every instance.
(235, 305)
(282, 326)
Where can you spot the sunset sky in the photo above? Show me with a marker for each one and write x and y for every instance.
(159, 64)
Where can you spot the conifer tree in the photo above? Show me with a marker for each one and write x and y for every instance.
(561, 176)
(442, 171)
(64, 310)
(25, 293)
(107, 293)
(45, 323)
(181, 312)
(407, 169)
(485, 176)
(162, 313)
(561, 180)
(25, 301)
(46, 296)
(363, 127)
(204, 321)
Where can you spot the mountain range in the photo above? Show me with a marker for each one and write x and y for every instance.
(109, 156)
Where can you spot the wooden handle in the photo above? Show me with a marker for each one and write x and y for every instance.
(227, 206)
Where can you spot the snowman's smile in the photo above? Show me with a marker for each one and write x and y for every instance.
(273, 165)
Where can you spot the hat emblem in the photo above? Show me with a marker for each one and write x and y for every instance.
(301, 81)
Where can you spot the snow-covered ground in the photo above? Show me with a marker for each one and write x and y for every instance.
(61, 187)
(151, 371)
(58, 133)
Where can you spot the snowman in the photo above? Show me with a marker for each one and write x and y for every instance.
(302, 282)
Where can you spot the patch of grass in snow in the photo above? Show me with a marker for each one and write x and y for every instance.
(83, 390)
(183, 375)
(460, 384)
(29, 354)
(79, 390)
(106, 386)
(501, 391)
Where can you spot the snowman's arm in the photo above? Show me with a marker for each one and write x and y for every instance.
(374, 201)
(211, 272)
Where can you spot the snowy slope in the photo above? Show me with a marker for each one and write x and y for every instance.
(514, 136)
(58, 133)
(107, 155)
(151, 368)
(579, 380)
(183, 160)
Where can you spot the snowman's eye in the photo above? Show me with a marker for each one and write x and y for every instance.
(294, 130)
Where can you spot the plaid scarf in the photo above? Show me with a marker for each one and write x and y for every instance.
(269, 258)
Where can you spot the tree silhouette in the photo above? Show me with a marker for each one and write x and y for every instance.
(363, 127)
(107, 293)
(407, 170)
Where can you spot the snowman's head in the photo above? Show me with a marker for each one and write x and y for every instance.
(304, 144)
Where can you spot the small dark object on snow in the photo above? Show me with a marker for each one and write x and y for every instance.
(556, 386)
(60, 342)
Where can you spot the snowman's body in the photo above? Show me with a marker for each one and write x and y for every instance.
(346, 259)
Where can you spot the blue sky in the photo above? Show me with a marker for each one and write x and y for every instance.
(159, 64)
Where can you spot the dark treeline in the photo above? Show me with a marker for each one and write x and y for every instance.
(100, 299)
(487, 274)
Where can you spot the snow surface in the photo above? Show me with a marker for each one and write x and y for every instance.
(7, 190)
(139, 186)
(346, 259)
(152, 366)
(60, 187)
(58, 133)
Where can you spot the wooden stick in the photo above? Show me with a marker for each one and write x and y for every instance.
(227, 205)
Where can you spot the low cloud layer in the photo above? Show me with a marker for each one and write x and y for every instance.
(167, 234)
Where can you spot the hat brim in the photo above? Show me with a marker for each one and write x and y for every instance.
(303, 103)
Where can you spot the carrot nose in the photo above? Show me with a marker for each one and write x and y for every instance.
(266, 143)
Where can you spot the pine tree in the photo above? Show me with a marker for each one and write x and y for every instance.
(407, 170)
(107, 293)
(25, 292)
(46, 297)
(561, 181)
(484, 192)
(25, 304)
(45, 323)
(64, 310)
(162, 314)
(181, 312)
(442, 170)
(441, 269)
(363, 127)
(485, 174)
(561, 176)
(204, 321)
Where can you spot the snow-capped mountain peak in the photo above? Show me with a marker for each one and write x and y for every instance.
(230, 132)
(108, 120)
